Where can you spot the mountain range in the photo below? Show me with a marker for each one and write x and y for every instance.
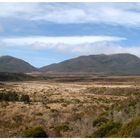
(119, 64)
(15, 65)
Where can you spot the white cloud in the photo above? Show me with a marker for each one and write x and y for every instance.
(44, 41)
(70, 44)
(94, 13)
(85, 45)
(20, 10)
(125, 14)
(105, 48)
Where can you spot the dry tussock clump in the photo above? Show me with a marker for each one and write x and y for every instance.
(127, 91)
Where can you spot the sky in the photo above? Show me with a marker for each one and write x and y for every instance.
(46, 33)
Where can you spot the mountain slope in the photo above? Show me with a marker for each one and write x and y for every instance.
(102, 64)
(12, 64)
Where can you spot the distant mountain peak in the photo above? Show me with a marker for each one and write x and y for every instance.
(13, 64)
(121, 63)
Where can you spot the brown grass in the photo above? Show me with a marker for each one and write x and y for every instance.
(74, 105)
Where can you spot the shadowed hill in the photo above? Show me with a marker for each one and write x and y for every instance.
(115, 64)
(15, 65)
(101, 64)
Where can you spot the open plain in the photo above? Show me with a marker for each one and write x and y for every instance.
(68, 109)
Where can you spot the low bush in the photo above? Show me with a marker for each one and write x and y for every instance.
(8, 96)
(13, 96)
(62, 127)
(99, 121)
(106, 130)
(36, 132)
(25, 98)
(131, 129)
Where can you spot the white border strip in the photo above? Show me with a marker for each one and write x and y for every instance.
(69, 0)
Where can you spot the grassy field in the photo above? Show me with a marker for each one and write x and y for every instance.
(65, 107)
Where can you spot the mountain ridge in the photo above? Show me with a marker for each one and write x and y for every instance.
(121, 63)
(15, 65)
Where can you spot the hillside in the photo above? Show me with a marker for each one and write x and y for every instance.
(15, 65)
(98, 64)
(115, 64)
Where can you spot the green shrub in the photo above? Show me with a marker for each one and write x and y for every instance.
(99, 121)
(8, 96)
(25, 98)
(36, 132)
(136, 133)
(128, 130)
(131, 129)
(13, 96)
(62, 127)
(106, 130)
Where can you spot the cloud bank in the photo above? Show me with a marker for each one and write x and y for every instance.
(70, 40)
(78, 45)
(124, 14)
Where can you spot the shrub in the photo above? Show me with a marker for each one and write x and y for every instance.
(106, 129)
(54, 110)
(136, 133)
(8, 96)
(111, 129)
(99, 121)
(62, 127)
(131, 129)
(13, 96)
(36, 132)
(25, 98)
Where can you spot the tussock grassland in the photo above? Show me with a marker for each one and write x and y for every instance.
(79, 109)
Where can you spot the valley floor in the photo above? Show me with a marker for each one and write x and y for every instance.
(71, 109)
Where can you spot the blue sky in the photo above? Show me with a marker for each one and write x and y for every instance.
(46, 33)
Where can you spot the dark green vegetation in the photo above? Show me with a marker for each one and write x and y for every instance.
(5, 76)
(130, 129)
(116, 64)
(25, 98)
(36, 132)
(112, 129)
(122, 121)
(99, 121)
(13, 96)
(106, 130)
(12, 64)
(62, 127)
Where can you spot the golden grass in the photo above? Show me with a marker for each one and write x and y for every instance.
(55, 104)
